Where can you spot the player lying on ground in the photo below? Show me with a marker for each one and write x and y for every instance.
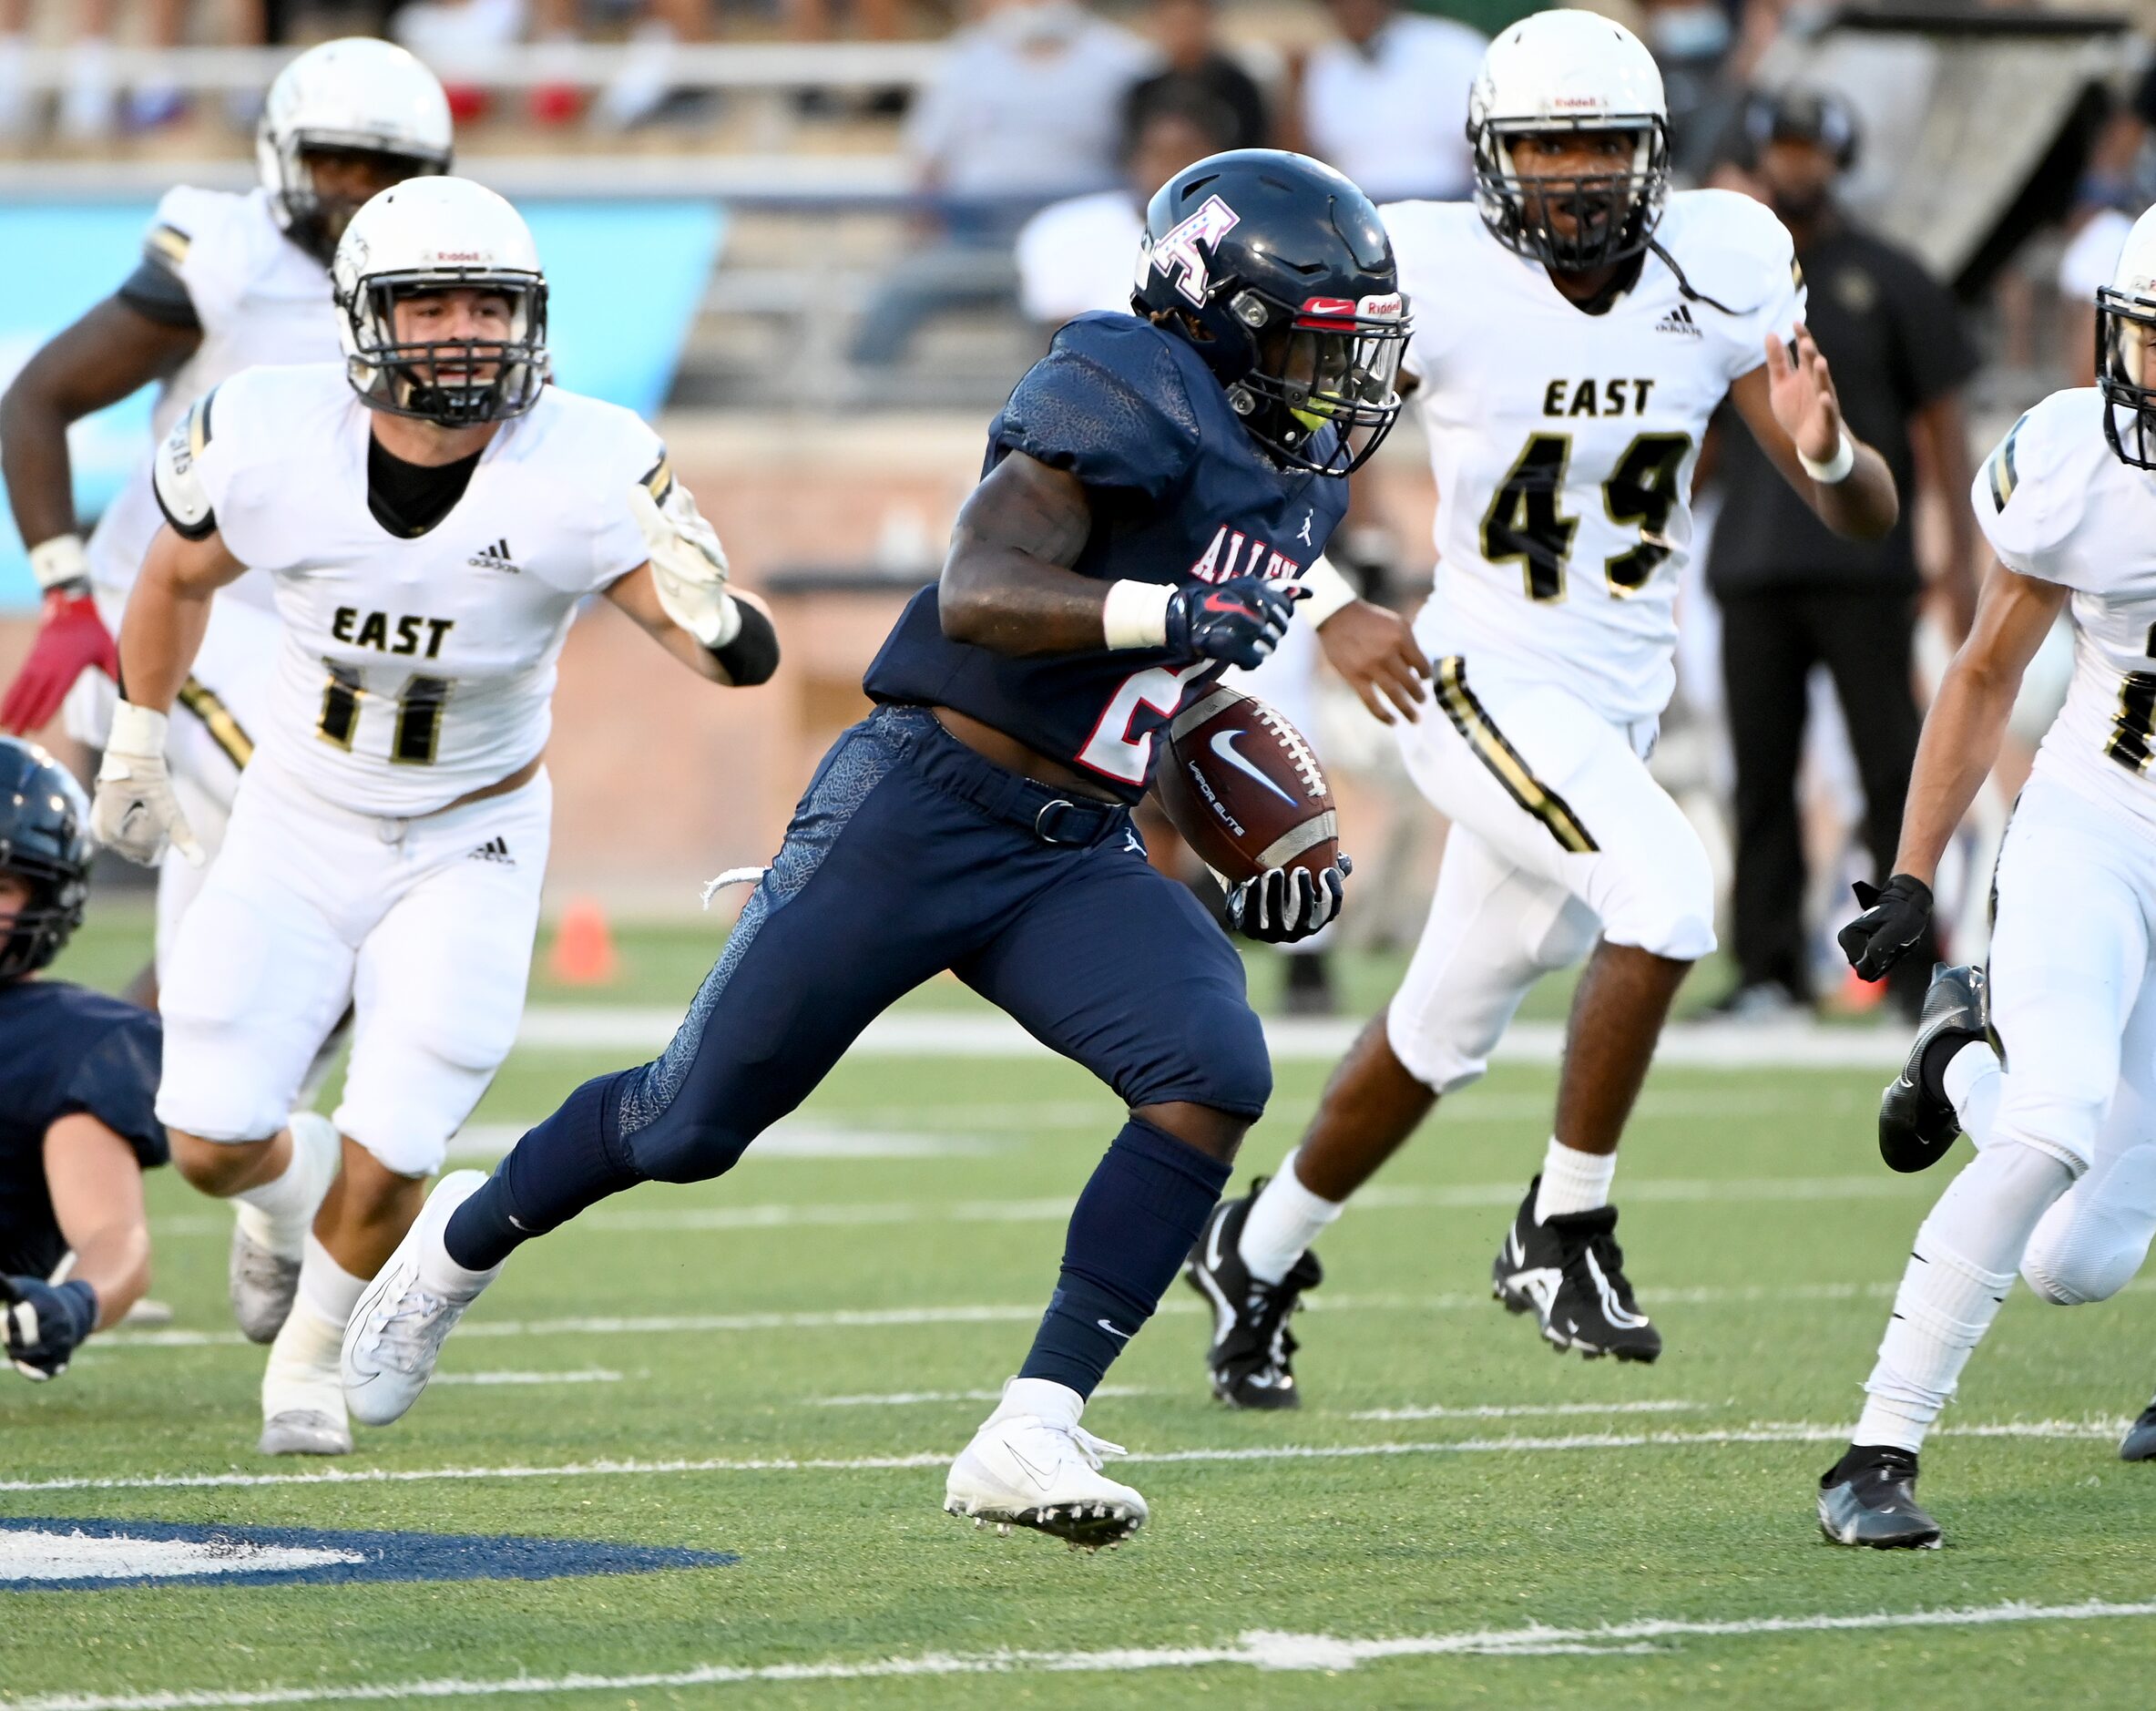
(431, 513)
(978, 820)
(226, 281)
(1575, 329)
(78, 1076)
(2047, 1058)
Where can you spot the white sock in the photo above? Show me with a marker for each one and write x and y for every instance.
(1959, 1271)
(278, 1213)
(1972, 1083)
(1283, 1224)
(1573, 1180)
(443, 1275)
(1043, 1399)
(302, 1371)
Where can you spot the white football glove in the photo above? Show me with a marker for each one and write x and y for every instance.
(688, 565)
(135, 811)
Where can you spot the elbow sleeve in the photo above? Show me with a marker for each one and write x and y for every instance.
(753, 655)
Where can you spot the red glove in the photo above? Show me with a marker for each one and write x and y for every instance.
(71, 640)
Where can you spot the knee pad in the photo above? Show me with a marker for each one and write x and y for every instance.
(1233, 1071)
(1663, 904)
(676, 1140)
(2095, 1237)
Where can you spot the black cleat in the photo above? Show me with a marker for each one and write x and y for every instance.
(2139, 1442)
(1916, 1128)
(1252, 1345)
(1869, 1497)
(1569, 1273)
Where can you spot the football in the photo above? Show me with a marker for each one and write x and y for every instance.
(1245, 789)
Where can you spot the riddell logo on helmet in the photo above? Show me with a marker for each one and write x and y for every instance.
(462, 257)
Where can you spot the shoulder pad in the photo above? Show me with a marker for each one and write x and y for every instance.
(1108, 403)
(2028, 495)
(1731, 247)
(176, 472)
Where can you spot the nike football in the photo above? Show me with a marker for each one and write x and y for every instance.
(1245, 789)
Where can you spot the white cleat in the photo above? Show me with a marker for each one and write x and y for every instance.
(1023, 1470)
(398, 1330)
(305, 1431)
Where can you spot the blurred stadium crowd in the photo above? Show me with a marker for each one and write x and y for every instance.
(946, 182)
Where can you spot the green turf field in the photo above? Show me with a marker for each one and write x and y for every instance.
(778, 1365)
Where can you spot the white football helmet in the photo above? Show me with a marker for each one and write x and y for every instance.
(426, 236)
(1559, 71)
(355, 94)
(2126, 347)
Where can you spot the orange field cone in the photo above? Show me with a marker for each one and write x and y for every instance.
(583, 952)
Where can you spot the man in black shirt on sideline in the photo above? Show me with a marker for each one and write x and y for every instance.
(78, 1083)
(1794, 595)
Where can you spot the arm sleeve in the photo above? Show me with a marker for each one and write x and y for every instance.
(115, 1081)
(1107, 404)
(155, 293)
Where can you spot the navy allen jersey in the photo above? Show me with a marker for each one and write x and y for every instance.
(64, 1050)
(1180, 494)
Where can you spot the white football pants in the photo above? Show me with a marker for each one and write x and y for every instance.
(425, 927)
(1559, 835)
(2073, 1005)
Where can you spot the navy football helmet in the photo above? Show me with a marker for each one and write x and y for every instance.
(44, 839)
(1279, 273)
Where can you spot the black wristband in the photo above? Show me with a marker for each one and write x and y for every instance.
(753, 655)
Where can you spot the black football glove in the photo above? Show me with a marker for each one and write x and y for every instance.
(1283, 905)
(1894, 917)
(1240, 621)
(46, 1323)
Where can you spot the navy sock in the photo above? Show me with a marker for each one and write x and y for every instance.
(567, 1163)
(1129, 1234)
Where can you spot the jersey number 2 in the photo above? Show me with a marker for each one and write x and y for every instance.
(419, 714)
(1111, 748)
(1523, 521)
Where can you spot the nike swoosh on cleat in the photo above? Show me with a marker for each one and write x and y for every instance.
(1613, 1308)
(1213, 1244)
(1031, 1473)
(1223, 745)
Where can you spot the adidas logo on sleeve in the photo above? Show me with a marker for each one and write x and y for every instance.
(496, 849)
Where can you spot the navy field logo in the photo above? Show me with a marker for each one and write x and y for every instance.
(1679, 322)
(74, 1556)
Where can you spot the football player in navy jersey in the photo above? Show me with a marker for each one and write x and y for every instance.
(1153, 490)
(78, 1083)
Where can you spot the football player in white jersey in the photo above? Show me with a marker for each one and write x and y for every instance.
(1576, 326)
(226, 281)
(430, 513)
(2047, 1057)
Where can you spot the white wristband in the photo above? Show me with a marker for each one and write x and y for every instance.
(1835, 468)
(1134, 614)
(1329, 591)
(59, 561)
(136, 731)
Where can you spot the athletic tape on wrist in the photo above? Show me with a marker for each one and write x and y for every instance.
(1134, 614)
(1836, 468)
(1329, 591)
(59, 561)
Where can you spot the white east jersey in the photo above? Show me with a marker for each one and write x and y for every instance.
(1564, 443)
(260, 299)
(2057, 503)
(411, 672)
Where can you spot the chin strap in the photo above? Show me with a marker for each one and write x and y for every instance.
(1684, 286)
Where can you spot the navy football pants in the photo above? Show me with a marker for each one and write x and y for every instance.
(909, 854)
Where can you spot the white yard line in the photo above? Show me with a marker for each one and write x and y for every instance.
(1524, 1411)
(1255, 1650)
(901, 1399)
(589, 1375)
(1055, 1209)
(1762, 1432)
(917, 1033)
